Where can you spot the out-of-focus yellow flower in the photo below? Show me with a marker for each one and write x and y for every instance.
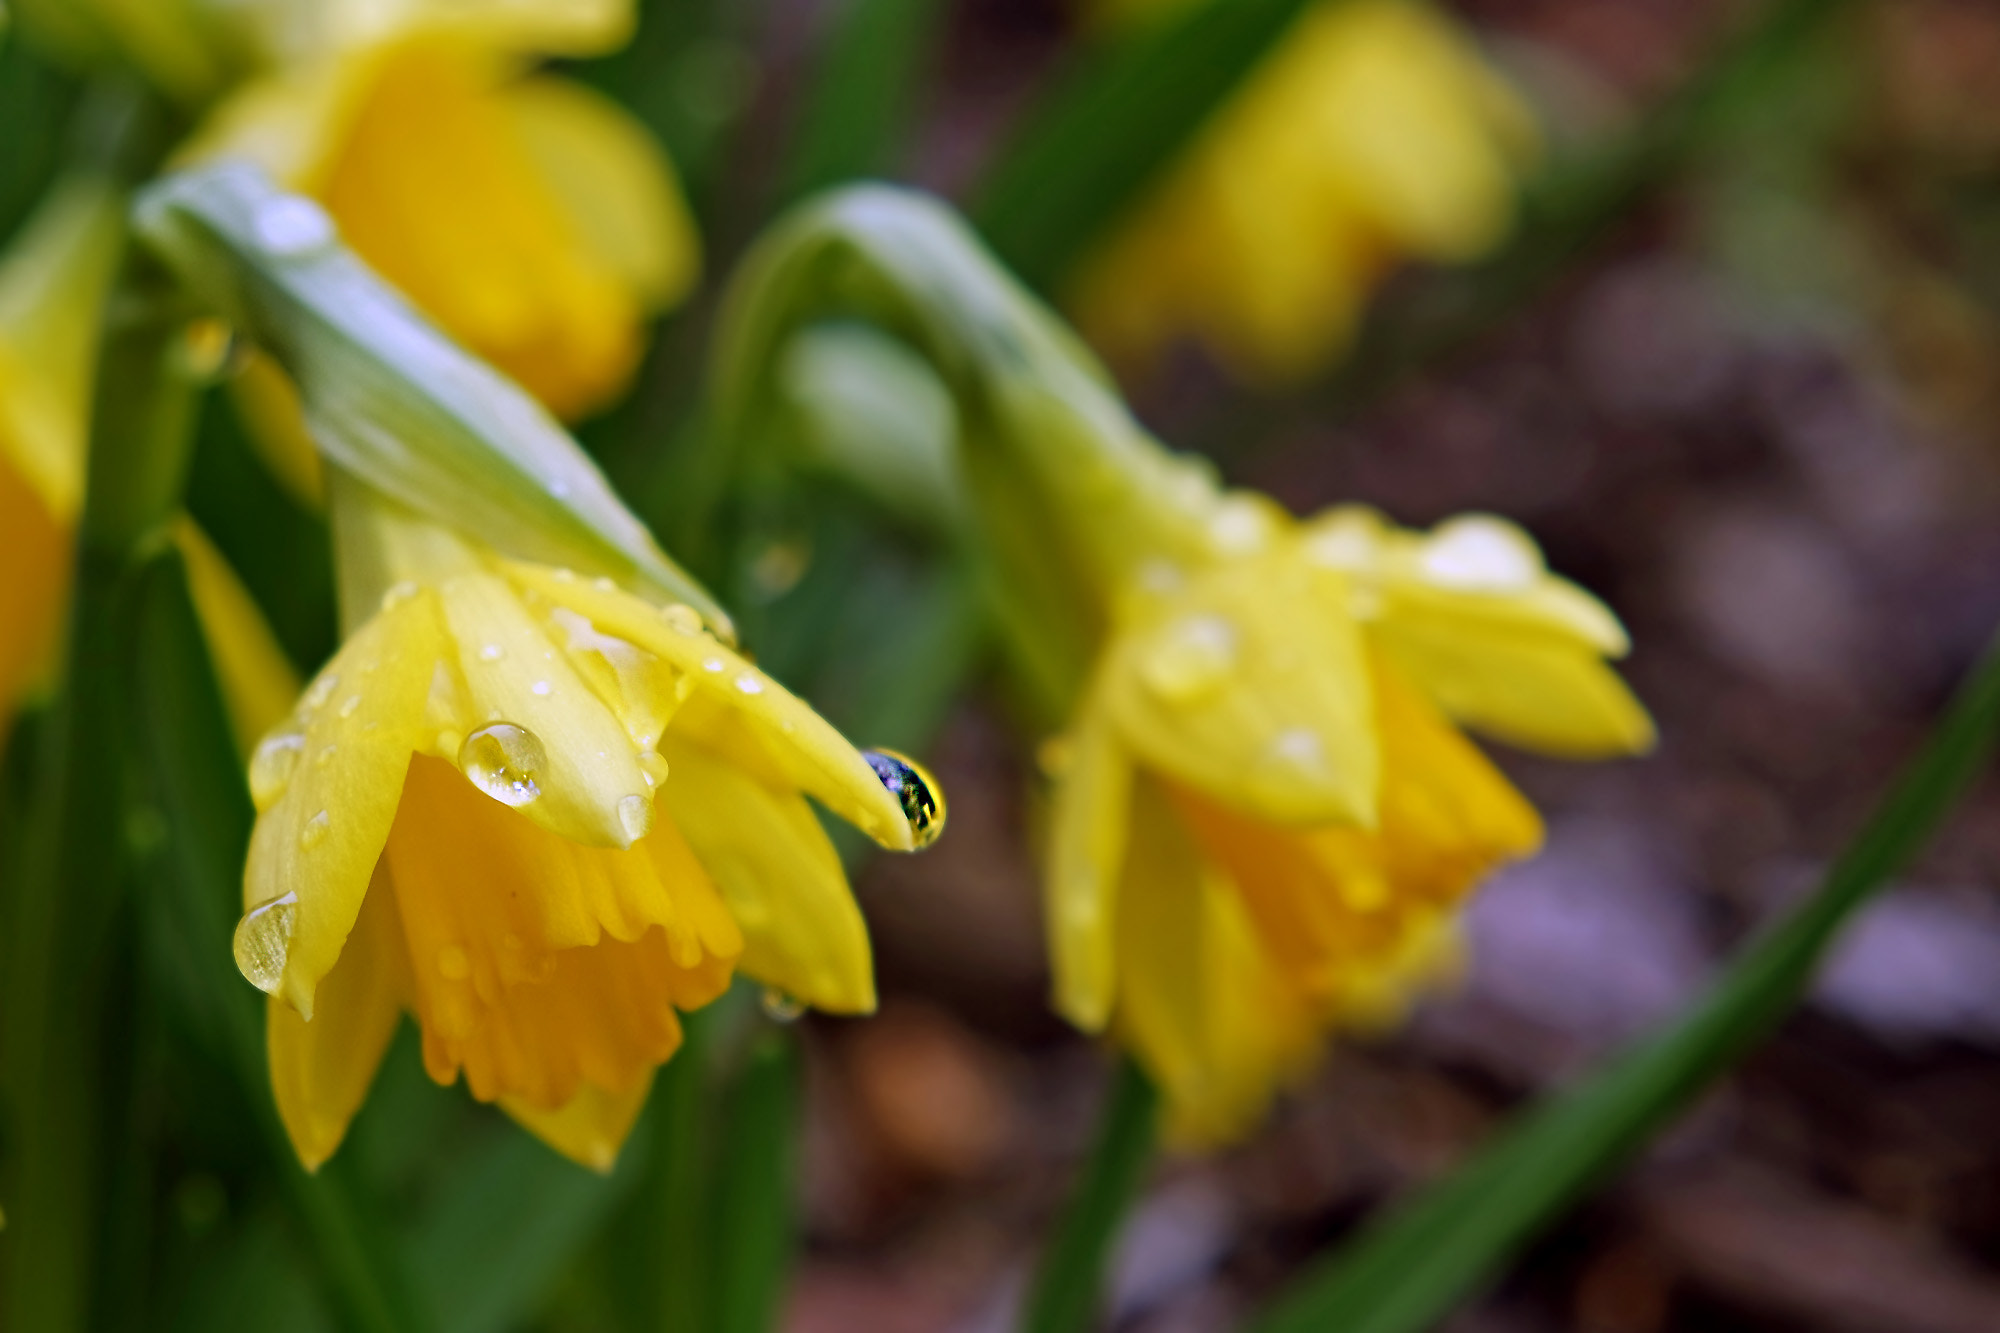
(532, 218)
(1373, 134)
(544, 815)
(52, 286)
(256, 679)
(1265, 818)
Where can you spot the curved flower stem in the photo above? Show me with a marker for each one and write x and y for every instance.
(1069, 1285)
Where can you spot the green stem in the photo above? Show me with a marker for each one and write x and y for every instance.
(754, 1192)
(1070, 1284)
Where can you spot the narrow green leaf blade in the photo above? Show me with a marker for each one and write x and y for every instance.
(1069, 1288)
(1114, 122)
(756, 1188)
(860, 100)
(1434, 1251)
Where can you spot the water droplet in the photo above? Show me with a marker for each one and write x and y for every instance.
(322, 690)
(1161, 576)
(504, 761)
(272, 766)
(542, 688)
(682, 617)
(264, 940)
(1299, 748)
(565, 576)
(749, 684)
(1241, 525)
(780, 1007)
(453, 964)
(291, 227)
(325, 756)
(1481, 554)
(350, 705)
(713, 664)
(653, 766)
(398, 594)
(492, 652)
(603, 584)
(314, 832)
(915, 790)
(635, 816)
(1189, 658)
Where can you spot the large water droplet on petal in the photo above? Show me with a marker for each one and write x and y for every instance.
(264, 940)
(272, 766)
(505, 762)
(1189, 658)
(654, 766)
(781, 1007)
(291, 227)
(635, 816)
(915, 790)
(1479, 554)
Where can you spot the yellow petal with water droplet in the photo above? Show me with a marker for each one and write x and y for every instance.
(1086, 857)
(769, 732)
(320, 1071)
(590, 1128)
(387, 664)
(592, 764)
(1281, 723)
(778, 872)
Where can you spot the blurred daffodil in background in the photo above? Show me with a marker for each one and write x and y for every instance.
(1374, 134)
(1265, 815)
(53, 281)
(532, 217)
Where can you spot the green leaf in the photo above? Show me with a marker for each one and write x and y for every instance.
(1069, 1288)
(1112, 125)
(755, 1191)
(1410, 1270)
(860, 99)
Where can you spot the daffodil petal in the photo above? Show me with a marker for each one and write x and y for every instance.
(258, 683)
(616, 184)
(268, 403)
(340, 764)
(737, 711)
(320, 1071)
(32, 594)
(590, 1128)
(592, 790)
(1537, 691)
(541, 27)
(1248, 684)
(1093, 804)
(778, 872)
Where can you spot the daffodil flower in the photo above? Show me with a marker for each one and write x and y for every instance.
(545, 815)
(1374, 133)
(1265, 815)
(52, 287)
(531, 217)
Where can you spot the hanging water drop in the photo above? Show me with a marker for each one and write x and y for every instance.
(264, 940)
(915, 791)
(272, 766)
(1189, 658)
(780, 1007)
(505, 762)
(653, 766)
(635, 816)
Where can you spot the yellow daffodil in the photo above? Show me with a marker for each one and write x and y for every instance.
(544, 815)
(52, 286)
(1374, 133)
(532, 218)
(1265, 817)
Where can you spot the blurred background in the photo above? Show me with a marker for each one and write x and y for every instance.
(1736, 366)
